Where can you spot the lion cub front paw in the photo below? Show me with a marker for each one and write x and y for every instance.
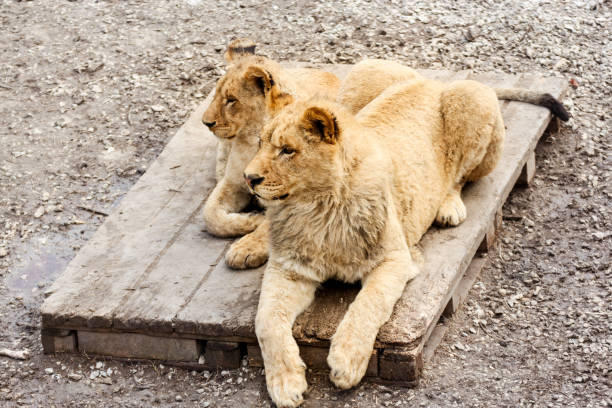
(248, 252)
(286, 385)
(452, 212)
(348, 363)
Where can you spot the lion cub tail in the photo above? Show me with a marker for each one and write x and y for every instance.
(535, 98)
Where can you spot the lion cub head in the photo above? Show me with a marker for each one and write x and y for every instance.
(299, 154)
(246, 94)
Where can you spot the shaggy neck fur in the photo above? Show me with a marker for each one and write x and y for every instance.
(349, 221)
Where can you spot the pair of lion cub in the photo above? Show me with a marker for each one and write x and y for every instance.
(349, 187)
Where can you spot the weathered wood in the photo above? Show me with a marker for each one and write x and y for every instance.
(493, 230)
(139, 346)
(460, 292)
(58, 341)
(528, 172)
(401, 364)
(436, 336)
(222, 354)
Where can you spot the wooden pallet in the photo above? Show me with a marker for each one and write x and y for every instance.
(150, 284)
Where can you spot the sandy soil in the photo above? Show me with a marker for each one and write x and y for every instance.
(91, 91)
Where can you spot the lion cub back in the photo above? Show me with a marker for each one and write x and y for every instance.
(368, 79)
(314, 82)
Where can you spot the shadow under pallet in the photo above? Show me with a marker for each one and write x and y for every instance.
(151, 284)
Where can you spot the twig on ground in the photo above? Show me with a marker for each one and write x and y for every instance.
(16, 354)
(93, 211)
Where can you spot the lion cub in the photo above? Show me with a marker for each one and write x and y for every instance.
(347, 196)
(254, 89)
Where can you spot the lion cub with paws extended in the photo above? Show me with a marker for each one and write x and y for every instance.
(347, 196)
(253, 90)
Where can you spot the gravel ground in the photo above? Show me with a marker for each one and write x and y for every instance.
(91, 91)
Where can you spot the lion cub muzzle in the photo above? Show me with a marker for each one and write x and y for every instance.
(252, 180)
(209, 125)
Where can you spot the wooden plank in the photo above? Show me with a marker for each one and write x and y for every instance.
(58, 341)
(184, 267)
(401, 364)
(528, 172)
(129, 244)
(434, 340)
(224, 306)
(460, 292)
(135, 345)
(492, 232)
(222, 354)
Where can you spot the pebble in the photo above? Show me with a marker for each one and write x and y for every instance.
(39, 212)
(48, 371)
(75, 376)
(178, 398)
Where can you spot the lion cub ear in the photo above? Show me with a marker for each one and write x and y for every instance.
(321, 122)
(262, 79)
(239, 48)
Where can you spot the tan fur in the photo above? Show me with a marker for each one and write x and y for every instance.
(368, 79)
(348, 196)
(254, 89)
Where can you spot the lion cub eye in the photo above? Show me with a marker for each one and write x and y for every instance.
(286, 150)
(229, 101)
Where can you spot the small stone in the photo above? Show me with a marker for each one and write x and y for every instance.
(157, 108)
(75, 376)
(99, 365)
(39, 212)
(48, 371)
(3, 252)
(94, 374)
(178, 398)
(599, 235)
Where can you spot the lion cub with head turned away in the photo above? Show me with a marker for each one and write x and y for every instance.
(253, 90)
(347, 196)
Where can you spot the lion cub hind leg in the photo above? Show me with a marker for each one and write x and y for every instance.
(452, 211)
(283, 297)
(353, 342)
(251, 250)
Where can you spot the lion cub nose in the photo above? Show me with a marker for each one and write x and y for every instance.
(253, 179)
(209, 124)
